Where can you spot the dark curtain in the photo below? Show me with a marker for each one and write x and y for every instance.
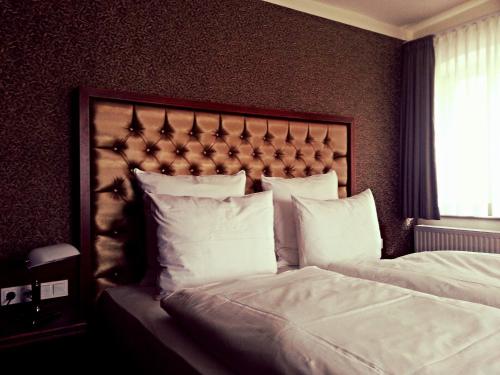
(419, 188)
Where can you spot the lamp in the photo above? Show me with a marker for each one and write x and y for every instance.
(39, 257)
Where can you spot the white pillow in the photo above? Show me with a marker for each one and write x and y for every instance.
(321, 186)
(337, 230)
(204, 240)
(212, 186)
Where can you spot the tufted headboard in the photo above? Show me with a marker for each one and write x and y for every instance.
(120, 132)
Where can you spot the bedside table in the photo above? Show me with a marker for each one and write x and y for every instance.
(56, 340)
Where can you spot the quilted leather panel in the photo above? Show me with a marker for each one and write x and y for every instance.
(174, 141)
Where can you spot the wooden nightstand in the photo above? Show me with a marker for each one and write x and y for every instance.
(53, 344)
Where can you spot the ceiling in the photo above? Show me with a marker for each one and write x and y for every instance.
(403, 19)
(396, 12)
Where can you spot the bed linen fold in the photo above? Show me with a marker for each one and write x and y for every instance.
(314, 321)
(467, 276)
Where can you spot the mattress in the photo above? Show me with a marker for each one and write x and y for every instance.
(467, 276)
(150, 337)
(314, 321)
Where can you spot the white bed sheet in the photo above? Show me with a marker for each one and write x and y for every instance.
(467, 276)
(314, 321)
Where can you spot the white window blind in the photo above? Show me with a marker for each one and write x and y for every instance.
(467, 119)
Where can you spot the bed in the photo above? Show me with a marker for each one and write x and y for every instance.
(120, 133)
(467, 276)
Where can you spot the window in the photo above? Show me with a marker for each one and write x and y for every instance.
(467, 119)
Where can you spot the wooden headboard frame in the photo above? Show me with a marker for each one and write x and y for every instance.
(88, 95)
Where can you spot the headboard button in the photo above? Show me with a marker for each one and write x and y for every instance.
(166, 169)
(115, 190)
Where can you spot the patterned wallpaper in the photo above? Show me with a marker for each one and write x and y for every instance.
(241, 52)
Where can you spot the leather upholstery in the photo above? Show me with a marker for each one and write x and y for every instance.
(179, 142)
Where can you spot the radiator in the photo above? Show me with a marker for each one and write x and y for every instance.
(429, 238)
